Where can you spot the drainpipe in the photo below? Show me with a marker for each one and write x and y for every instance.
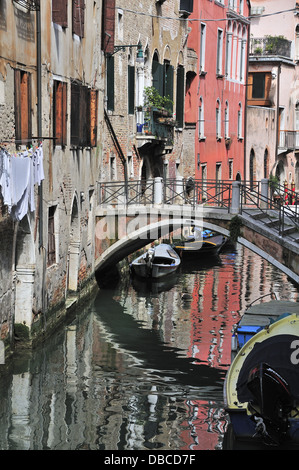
(39, 133)
(246, 101)
(39, 115)
(277, 111)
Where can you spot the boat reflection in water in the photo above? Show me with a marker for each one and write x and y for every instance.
(138, 368)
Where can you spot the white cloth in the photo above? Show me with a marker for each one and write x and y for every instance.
(18, 175)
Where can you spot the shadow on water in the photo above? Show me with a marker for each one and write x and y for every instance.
(146, 346)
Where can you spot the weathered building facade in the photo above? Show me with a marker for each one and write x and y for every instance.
(273, 93)
(51, 95)
(146, 69)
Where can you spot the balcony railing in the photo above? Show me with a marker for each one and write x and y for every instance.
(30, 5)
(158, 125)
(289, 140)
(270, 45)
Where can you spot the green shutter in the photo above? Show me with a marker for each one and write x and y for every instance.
(168, 82)
(180, 96)
(110, 82)
(131, 89)
(157, 73)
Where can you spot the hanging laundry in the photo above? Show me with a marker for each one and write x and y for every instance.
(18, 175)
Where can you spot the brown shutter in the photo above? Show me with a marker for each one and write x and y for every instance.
(108, 26)
(60, 115)
(64, 114)
(18, 105)
(78, 17)
(59, 12)
(93, 117)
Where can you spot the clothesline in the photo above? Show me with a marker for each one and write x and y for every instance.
(18, 175)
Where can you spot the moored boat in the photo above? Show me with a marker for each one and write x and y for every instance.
(156, 262)
(201, 242)
(261, 390)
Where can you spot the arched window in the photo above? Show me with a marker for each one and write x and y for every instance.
(252, 168)
(266, 163)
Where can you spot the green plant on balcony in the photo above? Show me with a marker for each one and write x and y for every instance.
(153, 99)
(274, 43)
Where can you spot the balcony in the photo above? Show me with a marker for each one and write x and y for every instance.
(30, 5)
(186, 8)
(288, 141)
(158, 126)
(270, 46)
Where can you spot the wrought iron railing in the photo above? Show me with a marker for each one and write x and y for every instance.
(279, 212)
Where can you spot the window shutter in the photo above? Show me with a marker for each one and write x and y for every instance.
(78, 17)
(168, 82)
(59, 12)
(180, 96)
(131, 89)
(93, 117)
(110, 83)
(18, 105)
(108, 26)
(60, 113)
(157, 73)
(84, 140)
(75, 114)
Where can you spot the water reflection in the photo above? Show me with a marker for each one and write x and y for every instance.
(142, 367)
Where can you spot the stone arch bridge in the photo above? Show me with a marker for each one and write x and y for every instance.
(131, 216)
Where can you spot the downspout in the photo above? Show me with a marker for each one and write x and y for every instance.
(246, 97)
(39, 115)
(39, 133)
(277, 111)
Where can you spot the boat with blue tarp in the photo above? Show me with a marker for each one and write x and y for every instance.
(261, 390)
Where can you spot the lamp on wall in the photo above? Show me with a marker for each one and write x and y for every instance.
(139, 50)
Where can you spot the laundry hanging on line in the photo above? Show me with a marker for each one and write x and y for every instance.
(18, 175)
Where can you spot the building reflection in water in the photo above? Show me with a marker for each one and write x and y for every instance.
(143, 370)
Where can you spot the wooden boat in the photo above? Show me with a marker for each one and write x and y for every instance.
(261, 390)
(156, 262)
(201, 242)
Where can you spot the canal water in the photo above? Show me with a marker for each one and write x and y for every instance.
(142, 367)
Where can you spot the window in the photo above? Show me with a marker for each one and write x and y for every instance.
(252, 169)
(78, 17)
(230, 169)
(162, 77)
(240, 119)
(202, 47)
(228, 56)
(219, 52)
(59, 12)
(131, 89)
(180, 96)
(259, 84)
(60, 113)
(201, 120)
(226, 120)
(51, 236)
(112, 168)
(218, 119)
(266, 163)
(84, 103)
(110, 82)
(23, 120)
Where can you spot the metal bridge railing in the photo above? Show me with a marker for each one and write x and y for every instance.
(173, 191)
